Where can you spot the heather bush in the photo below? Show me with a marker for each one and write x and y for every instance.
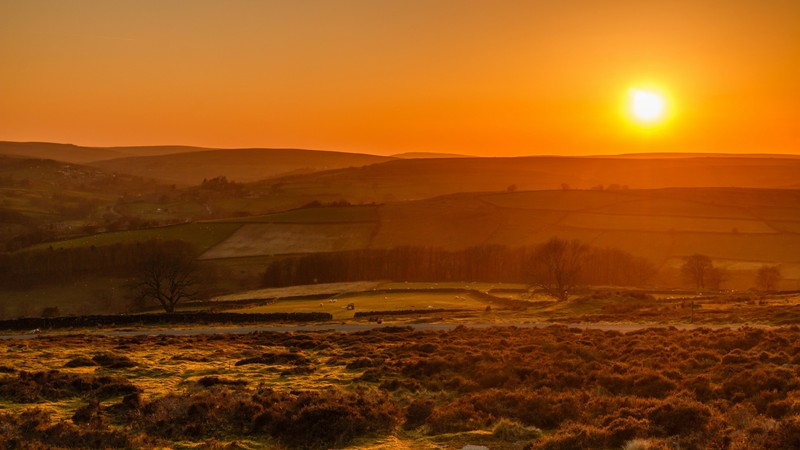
(573, 437)
(454, 418)
(202, 414)
(510, 430)
(112, 361)
(677, 415)
(80, 361)
(785, 435)
(33, 428)
(325, 419)
(30, 387)
(645, 444)
(417, 413)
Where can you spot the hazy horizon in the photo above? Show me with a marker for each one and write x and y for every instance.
(504, 79)
(421, 153)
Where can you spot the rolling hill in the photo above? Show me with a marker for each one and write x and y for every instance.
(81, 155)
(58, 152)
(185, 166)
(740, 228)
(240, 165)
(412, 179)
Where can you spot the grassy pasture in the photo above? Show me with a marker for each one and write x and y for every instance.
(560, 200)
(200, 234)
(333, 214)
(604, 221)
(777, 213)
(84, 296)
(159, 211)
(366, 301)
(653, 204)
(254, 239)
(607, 304)
(331, 289)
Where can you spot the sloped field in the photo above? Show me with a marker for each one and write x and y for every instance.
(274, 238)
(750, 227)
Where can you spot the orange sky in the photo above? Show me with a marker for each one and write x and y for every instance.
(461, 76)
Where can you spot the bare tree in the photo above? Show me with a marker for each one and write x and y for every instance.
(696, 268)
(557, 266)
(168, 276)
(716, 276)
(768, 277)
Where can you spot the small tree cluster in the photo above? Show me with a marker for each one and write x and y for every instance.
(167, 276)
(557, 266)
(700, 270)
(486, 263)
(768, 277)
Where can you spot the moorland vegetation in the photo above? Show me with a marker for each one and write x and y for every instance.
(552, 388)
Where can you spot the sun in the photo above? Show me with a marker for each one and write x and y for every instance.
(647, 106)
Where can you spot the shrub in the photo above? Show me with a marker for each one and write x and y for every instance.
(214, 380)
(653, 385)
(645, 444)
(511, 430)
(292, 359)
(321, 420)
(360, 363)
(786, 435)
(89, 413)
(678, 416)
(29, 387)
(33, 429)
(624, 429)
(203, 414)
(112, 361)
(573, 437)
(417, 413)
(80, 361)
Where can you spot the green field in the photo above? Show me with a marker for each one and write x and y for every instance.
(365, 301)
(159, 211)
(255, 239)
(335, 214)
(201, 235)
(84, 296)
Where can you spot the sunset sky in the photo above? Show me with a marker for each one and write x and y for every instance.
(476, 77)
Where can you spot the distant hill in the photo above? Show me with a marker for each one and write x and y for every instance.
(240, 165)
(59, 176)
(81, 155)
(184, 165)
(700, 155)
(741, 229)
(410, 179)
(426, 155)
(59, 152)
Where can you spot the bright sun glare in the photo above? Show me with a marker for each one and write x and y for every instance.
(647, 106)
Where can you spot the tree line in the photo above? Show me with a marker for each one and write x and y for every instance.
(486, 263)
(700, 271)
(38, 267)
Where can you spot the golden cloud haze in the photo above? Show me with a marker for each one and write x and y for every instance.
(484, 78)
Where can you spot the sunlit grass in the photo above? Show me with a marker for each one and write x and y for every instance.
(366, 301)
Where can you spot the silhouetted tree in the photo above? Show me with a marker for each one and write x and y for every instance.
(167, 275)
(716, 276)
(557, 266)
(768, 277)
(696, 269)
